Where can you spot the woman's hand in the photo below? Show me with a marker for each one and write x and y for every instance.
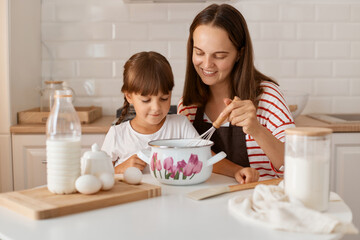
(242, 113)
(133, 161)
(247, 175)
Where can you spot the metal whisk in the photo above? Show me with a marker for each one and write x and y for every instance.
(208, 134)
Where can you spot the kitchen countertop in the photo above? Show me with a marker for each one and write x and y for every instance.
(103, 124)
(306, 121)
(100, 125)
(170, 216)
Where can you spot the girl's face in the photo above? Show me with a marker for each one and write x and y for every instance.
(150, 110)
(214, 55)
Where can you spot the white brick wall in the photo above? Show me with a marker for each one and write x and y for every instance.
(307, 45)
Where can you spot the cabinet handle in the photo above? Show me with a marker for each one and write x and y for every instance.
(44, 162)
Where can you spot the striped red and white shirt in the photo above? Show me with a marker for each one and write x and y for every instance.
(273, 113)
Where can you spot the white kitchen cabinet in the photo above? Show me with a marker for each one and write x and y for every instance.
(345, 172)
(29, 154)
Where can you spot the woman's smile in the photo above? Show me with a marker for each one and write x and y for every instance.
(208, 73)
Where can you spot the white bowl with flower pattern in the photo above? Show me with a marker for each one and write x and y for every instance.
(179, 162)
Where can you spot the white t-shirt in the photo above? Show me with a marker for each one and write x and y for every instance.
(122, 141)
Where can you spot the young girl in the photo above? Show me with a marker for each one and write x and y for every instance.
(221, 79)
(148, 82)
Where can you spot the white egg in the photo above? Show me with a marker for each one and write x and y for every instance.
(87, 184)
(132, 175)
(107, 180)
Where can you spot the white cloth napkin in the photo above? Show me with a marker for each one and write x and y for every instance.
(269, 205)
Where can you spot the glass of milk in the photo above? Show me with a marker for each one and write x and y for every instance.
(307, 166)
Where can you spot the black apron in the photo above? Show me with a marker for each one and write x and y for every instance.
(230, 139)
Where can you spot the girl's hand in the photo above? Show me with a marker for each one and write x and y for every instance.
(242, 113)
(133, 161)
(247, 175)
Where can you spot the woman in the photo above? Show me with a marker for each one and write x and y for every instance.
(221, 79)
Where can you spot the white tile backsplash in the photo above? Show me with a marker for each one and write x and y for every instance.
(148, 12)
(355, 12)
(89, 50)
(298, 12)
(95, 68)
(184, 12)
(79, 11)
(119, 68)
(262, 11)
(346, 104)
(347, 68)
(107, 104)
(76, 31)
(48, 12)
(355, 87)
(332, 50)
(347, 31)
(278, 68)
(266, 50)
(318, 104)
(177, 49)
(58, 69)
(255, 30)
(108, 87)
(334, 87)
(168, 31)
(307, 45)
(314, 68)
(84, 87)
(314, 31)
(297, 84)
(278, 31)
(131, 31)
(332, 12)
(158, 46)
(355, 50)
(75, 12)
(297, 49)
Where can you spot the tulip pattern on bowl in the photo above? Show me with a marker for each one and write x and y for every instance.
(180, 170)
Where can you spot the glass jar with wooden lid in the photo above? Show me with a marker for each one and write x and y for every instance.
(47, 94)
(307, 165)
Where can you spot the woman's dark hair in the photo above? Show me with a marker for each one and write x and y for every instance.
(146, 73)
(245, 77)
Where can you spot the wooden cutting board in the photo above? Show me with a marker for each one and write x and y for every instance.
(40, 203)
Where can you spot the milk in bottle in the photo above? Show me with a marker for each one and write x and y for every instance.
(63, 149)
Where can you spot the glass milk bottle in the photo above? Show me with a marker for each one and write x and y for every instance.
(307, 166)
(63, 151)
